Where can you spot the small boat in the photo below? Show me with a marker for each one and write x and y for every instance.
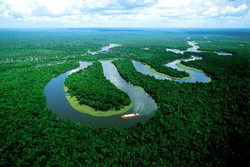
(130, 115)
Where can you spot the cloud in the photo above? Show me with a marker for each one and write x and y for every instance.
(27, 8)
(230, 10)
(12, 8)
(147, 13)
(59, 7)
(130, 4)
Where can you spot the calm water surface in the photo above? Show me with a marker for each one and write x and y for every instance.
(195, 76)
(223, 53)
(104, 49)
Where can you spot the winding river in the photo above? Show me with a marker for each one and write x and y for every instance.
(144, 69)
(195, 76)
(142, 102)
(194, 48)
(104, 49)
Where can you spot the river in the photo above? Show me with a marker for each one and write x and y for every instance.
(57, 102)
(142, 102)
(195, 76)
(104, 49)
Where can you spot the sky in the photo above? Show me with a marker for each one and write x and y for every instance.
(125, 13)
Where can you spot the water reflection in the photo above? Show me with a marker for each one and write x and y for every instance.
(223, 53)
(83, 65)
(146, 71)
(194, 48)
(195, 76)
(104, 49)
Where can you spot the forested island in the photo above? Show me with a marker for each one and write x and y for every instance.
(90, 87)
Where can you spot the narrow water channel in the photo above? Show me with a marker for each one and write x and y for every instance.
(104, 49)
(144, 69)
(195, 76)
(194, 48)
(223, 53)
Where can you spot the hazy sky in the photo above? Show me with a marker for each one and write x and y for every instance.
(125, 13)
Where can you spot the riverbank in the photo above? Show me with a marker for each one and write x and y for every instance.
(168, 76)
(91, 111)
(189, 68)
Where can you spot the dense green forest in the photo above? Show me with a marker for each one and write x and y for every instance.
(212, 116)
(198, 124)
(92, 88)
(160, 59)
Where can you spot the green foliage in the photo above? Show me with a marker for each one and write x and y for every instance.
(92, 88)
(195, 124)
(160, 58)
(213, 113)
